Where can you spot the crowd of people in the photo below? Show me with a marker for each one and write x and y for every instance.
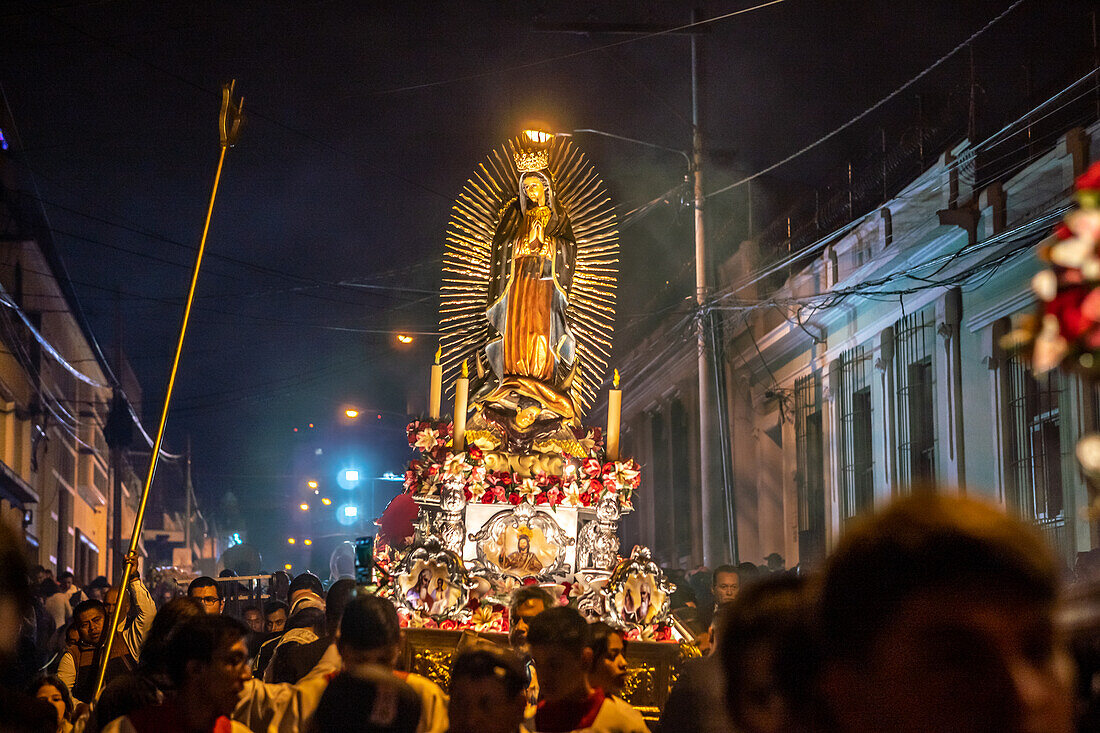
(936, 614)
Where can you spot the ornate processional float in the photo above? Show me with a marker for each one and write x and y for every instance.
(516, 490)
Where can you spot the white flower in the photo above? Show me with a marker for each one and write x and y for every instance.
(1045, 285)
(529, 489)
(572, 492)
(1050, 347)
(456, 466)
(426, 439)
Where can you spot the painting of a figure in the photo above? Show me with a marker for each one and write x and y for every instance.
(639, 601)
(521, 551)
(428, 589)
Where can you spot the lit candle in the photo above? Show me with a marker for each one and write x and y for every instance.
(462, 390)
(614, 408)
(436, 393)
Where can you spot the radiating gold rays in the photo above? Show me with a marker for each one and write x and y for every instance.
(467, 262)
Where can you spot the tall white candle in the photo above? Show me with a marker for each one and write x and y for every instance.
(435, 395)
(462, 392)
(614, 408)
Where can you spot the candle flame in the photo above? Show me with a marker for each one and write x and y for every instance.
(465, 368)
(615, 381)
(438, 354)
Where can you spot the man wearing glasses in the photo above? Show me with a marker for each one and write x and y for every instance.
(205, 590)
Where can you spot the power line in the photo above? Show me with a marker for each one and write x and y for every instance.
(575, 54)
(872, 108)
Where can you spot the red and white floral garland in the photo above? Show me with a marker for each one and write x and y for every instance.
(583, 481)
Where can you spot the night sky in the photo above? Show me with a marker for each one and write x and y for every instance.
(363, 122)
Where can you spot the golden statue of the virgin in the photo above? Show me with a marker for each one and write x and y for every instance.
(529, 294)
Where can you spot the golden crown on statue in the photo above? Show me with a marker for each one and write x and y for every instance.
(531, 160)
(535, 154)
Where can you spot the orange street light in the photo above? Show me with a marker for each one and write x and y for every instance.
(304, 507)
(404, 338)
(352, 413)
(326, 501)
(307, 542)
(311, 484)
(288, 566)
(290, 540)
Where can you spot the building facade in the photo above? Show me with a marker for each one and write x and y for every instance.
(870, 364)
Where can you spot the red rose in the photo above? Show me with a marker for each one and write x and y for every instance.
(1066, 306)
(514, 498)
(590, 467)
(530, 580)
(448, 624)
(475, 454)
(1089, 179)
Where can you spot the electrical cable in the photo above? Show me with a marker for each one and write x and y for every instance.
(575, 54)
(872, 108)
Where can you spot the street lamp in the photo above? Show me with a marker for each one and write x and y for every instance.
(404, 338)
(351, 475)
(351, 413)
(304, 507)
(290, 540)
(326, 501)
(307, 542)
(311, 484)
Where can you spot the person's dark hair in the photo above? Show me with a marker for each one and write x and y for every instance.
(65, 575)
(724, 569)
(252, 607)
(272, 606)
(337, 599)
(228, 573)
(491, 661)
(599, 633)
(926, 543)
(307, 618)
(52, 679)
(530, 593)
(48, 587)
(562, 627)
(199, 639)
(204, 581)
(370, 622)
(306, 581)
(100, 581)
(746, 571)
(366, 700)
(88, 604)
(173, 613)
(774, 614)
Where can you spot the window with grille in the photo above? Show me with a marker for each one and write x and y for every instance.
(1037, 451)
(914, 379)
(810, 473)
(680, 480)
(854, 417)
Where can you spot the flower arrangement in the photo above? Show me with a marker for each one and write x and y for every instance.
(1066, 330)
(583, 482)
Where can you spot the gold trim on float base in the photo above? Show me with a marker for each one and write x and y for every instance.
(654, 666)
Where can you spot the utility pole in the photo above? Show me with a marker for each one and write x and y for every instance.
(715, 551)
(711, 546)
